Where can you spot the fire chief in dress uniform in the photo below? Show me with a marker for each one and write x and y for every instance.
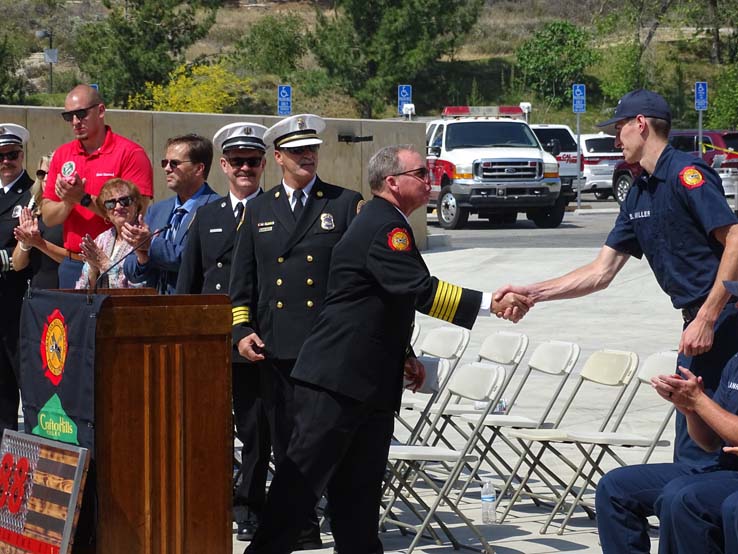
(280, 271)
(350, 371)
(206, 269)
(15, 194)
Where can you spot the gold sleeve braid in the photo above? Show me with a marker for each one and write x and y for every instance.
(446, 301)
(241, 315)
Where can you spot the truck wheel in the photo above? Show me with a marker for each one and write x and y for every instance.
(450, 214)
(549, 218)
(621, 187)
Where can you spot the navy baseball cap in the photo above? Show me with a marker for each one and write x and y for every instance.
(639, 102)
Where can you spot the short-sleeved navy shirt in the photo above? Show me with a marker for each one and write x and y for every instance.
(726, 397)
(668, 216)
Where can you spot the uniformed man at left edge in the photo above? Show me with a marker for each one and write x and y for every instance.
(205, 269)
(280, 271)
(15, 193)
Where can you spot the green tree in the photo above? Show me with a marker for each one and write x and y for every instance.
(621, 70)
(553, 59)
(723, 112)
(13, 85)
(140, 41)
(369, 48)
(273, 45)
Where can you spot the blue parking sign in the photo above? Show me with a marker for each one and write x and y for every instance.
(284, 100)
(404, 96)
(579, 98)
(700, 96)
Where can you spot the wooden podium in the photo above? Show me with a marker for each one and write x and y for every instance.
(163, 429)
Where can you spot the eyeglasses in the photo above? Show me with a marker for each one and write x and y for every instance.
(41, 174)
(419, 173)
(79, 114)
(174, 163)
(298, 150)
(124, 201)
(10, 156)
(236, 163)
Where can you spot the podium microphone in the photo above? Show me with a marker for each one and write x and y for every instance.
(120, 261)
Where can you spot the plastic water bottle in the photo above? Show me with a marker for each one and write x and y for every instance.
(489, 497)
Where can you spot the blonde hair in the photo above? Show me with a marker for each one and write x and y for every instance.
(37, 189)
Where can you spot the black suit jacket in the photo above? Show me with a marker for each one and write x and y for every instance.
(12, 283)
(280, 267)
(377, 281)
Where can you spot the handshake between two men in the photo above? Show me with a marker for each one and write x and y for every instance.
(511, 303)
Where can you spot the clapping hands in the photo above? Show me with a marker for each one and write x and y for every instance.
(27, 231)
(94, 255)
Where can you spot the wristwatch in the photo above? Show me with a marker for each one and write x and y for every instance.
(86, 200)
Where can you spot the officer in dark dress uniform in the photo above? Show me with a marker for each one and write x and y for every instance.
(15, 185)
(350, 371)
(280, 271)
(206, 269)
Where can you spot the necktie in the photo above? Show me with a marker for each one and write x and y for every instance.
(239, 211)
(177, 218)
(297, 208)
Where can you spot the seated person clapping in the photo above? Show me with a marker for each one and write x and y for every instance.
(121, 202)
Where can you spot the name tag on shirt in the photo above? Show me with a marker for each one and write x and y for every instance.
(218, 230)
(265, 229)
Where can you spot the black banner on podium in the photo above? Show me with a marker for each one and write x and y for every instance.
(57, 362)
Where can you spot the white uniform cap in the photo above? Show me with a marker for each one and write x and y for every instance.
(10, 133)
(296, 130)
(241, 134)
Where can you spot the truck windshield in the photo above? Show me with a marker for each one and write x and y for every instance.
(489, 134)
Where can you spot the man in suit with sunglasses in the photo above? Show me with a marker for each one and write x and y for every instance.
(160, 237)
(15, 194)
(280, 271)
(205, 269)
(80, 168)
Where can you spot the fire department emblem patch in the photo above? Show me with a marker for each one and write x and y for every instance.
(399, 239)
(67, 169)
(691, 177)
(54, 347)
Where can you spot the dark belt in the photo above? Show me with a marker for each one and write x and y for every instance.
(75, 256)
(690, 312)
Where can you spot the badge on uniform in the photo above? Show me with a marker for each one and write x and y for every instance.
(16, 212)
(326, 222)
(691, 177)
(360, 205)
(399, 239)
(67, 169)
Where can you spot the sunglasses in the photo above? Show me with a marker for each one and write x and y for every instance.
(124, 201)
(174, 164)
(79, 114)
(41, 174)
(235, 163)
(298, 150)
(10, 156)
(418, 173)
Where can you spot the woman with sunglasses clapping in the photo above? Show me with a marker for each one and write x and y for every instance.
(121, 202)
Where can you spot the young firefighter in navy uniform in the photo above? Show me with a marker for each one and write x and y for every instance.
(280, 271)
(206, 269)
(14, 195)
(350, 371)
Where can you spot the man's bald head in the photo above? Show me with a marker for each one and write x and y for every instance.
(86, 94)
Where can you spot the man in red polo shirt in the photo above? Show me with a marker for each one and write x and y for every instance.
(78, 171)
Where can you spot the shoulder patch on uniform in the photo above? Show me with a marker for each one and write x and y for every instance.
(360, 205)
(691, 177)
(399, 239)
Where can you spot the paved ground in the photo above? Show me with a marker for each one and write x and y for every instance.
(632, 314)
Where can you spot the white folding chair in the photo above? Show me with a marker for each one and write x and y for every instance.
(608, 368)
(552, 359)
(477, 382)
(661, 363)
(444, 343)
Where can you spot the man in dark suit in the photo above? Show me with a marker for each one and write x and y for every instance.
(349, 374)
(161, 235)
(205, 269)
(14, 195)
(280, 271)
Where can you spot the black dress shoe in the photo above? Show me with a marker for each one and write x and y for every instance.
(309, 544)
(246, 530)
